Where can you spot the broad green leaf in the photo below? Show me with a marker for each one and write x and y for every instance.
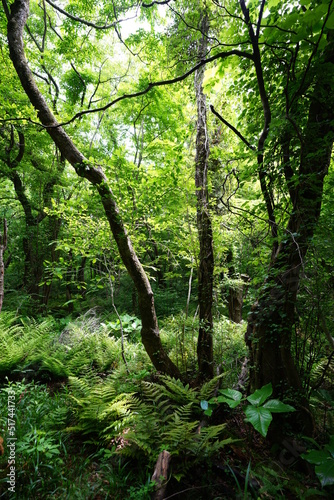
(325, 472)
(276, 406)
(260, 395)
(259, 417)
(330, 446)
(330, 21)
(230, 397)
(315, 456)
(206, 408)
(231, 402)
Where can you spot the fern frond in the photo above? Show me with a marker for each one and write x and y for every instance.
(323, 371)
(208, 388)
(178, 392)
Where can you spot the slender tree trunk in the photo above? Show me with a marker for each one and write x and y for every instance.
(206, 259)
(3, 246)
(150, 332)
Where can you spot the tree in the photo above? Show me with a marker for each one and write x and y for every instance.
(17, 18)
(3, 246)
(278, 59)
(34, 203)
(206, 258)
(293, 53)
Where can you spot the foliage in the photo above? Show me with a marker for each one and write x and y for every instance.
(159, 417)
(40, 420)
(258, 412)
(61, 258)
(38, 350)
(129, 325)
(324, 462)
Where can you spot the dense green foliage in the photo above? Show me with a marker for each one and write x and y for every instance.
(102, 257)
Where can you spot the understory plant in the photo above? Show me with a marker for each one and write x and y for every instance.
(162, 415)
(41, 351)
(259, 410)
(37, 425)
(323, 459)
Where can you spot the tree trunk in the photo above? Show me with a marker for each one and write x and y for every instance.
(273, 316)
(235, 302)
(94, 174)
(3, 246)
(206, 259)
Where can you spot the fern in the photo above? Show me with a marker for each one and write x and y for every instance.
(161, 416)
(323, 372)
(208, 389)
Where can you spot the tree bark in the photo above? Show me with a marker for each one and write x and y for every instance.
(94, 174)
(271, 322)
(3, 246)
(206, 258)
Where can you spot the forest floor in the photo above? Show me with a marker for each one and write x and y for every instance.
(89, 427)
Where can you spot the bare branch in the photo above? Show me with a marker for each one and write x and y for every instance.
(45, 26)
(83, 21)
(5, 8)
(193, 27)
(260, 19)
(248, 144)
(34, 39)
(155, 2)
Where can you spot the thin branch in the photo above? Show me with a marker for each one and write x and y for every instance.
(82, 81)
(161, 83)
(111, 286)
(155, 2)
(34, 39)
(118, 33)
(41, 77)
(205, 35)
(5, 8)
(83, 21)
(232, 128)
(260, 19)
(45, 26)
(291, 32)
(53, 81)
(20, 154)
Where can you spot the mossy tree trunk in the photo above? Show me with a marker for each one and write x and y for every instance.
(273, 317)
(206, 258)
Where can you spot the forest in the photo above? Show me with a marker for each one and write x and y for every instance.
(166, 249)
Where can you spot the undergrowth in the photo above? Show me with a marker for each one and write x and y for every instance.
(90, 426)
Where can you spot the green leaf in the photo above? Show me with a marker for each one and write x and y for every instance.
(230, 397)
(330, 21)
(330, 446)
(260, 395)
(276, 406)
(259, 417)
(316, 456)
(325, 472)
